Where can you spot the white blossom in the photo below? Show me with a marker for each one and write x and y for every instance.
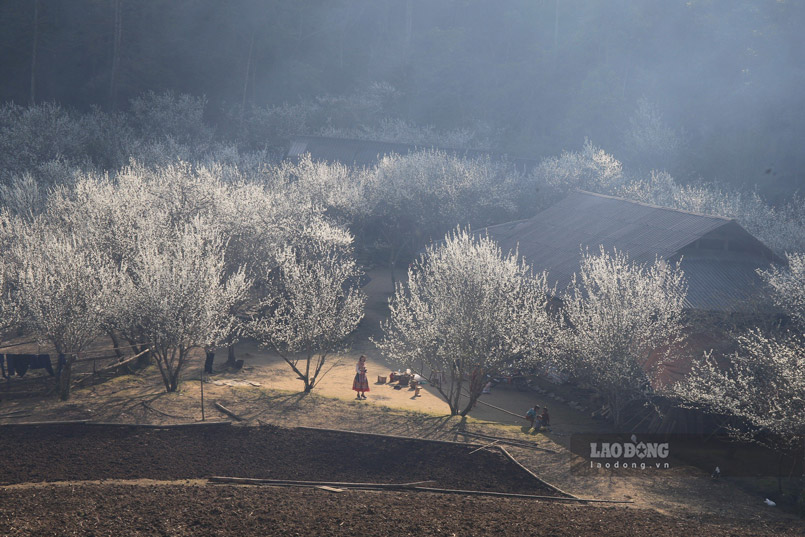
(66, 289)
(316, 304)
(762, 384)
(179, 297)
(616, 314)
(788, 287)
(468, 312)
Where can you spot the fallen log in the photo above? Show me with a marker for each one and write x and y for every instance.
(228, 412)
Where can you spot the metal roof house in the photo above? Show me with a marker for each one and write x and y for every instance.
(720, 260)
(368, 152)
(719, 257)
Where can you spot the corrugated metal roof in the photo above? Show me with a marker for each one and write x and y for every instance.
(368, 152)
(554, 239)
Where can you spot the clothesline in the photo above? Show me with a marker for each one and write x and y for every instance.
(20, 363)
(3, 347)
(31, 342)
(111, 348)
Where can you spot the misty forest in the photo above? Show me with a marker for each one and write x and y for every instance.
(597, 205)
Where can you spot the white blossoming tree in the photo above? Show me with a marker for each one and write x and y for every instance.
(180, 297)
(788, 287)
(66, 289)
(467, 311)
(316, 303)
(9, 311)
(419, 197)
(763, 382)
(616, 313)
(589, 169)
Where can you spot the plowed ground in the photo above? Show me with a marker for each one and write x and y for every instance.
(193, 508)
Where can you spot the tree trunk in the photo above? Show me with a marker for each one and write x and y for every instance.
(174, 382)
(118, 31)
(458, 382)
(230, 356)
(162, 363)
(470, 404)
(65, 378)
(34, 50)
(115, 343)
(246, 78)
(615, 404)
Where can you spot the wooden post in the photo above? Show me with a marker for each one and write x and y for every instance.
(202, 393)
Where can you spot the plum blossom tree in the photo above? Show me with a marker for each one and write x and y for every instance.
(66, 289)
(616, 313)
(468, 311)
(180, 297)
(788, 287)
(763, 382)
(418, 197)
(9, 311)
(316, 303)
(590, 169)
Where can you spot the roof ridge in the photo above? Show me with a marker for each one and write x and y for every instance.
(652, 206)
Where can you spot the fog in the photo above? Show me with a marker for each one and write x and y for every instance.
(707, 90)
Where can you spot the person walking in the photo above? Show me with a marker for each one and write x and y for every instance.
(360, 384)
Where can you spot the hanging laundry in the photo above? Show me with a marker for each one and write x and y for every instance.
(18, 363)
(42, 361)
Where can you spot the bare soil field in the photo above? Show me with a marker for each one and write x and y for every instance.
(87, 452)
(176, 502)
(116, 510)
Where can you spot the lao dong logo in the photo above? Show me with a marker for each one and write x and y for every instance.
(635, 455)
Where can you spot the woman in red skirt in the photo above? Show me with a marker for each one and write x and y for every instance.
(360, 384)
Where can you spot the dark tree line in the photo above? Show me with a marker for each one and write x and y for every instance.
(720, 77)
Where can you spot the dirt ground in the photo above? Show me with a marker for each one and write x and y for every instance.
(265, 391)
(120, 510)
(89, 452)
(121, 481)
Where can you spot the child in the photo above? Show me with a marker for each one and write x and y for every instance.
(533, 416)
(545, 419)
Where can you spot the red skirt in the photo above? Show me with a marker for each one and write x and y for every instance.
(360, 384)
